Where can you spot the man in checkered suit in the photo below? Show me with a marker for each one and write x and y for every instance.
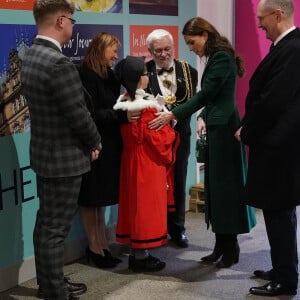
(64, 140)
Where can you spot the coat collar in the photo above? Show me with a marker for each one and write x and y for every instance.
(292, 35)
(46, 43)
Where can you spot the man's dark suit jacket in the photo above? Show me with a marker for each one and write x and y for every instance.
(271, 128)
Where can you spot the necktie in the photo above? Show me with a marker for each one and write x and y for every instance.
(161, 71)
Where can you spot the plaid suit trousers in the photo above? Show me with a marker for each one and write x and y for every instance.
(58, 203)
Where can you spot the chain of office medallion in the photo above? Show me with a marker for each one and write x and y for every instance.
(188, 82)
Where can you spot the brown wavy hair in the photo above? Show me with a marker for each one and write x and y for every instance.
(95, 55)
(215, 41)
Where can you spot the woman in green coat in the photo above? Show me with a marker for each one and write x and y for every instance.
(225, 165)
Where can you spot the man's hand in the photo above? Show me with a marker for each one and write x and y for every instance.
(94, 154)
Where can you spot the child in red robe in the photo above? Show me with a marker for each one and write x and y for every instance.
(147, 157)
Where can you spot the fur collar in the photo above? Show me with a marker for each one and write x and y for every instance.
(142, 100)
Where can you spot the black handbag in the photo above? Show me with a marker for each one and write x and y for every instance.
(201, 149)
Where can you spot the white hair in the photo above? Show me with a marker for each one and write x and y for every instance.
(158, 34)
(287, 6)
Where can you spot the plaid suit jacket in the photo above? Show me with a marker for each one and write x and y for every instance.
(62, 130)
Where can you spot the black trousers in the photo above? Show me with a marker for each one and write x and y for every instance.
(176, 220)
(281, 226)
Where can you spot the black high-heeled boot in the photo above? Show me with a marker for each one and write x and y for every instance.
(217, 252)
(114, 259)
(231, 252)
(99, 260)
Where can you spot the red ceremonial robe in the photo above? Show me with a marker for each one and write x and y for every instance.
(147, 155)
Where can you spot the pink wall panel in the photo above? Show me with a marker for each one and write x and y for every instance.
(250, 42)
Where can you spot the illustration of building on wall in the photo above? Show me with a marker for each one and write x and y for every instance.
(14, 112)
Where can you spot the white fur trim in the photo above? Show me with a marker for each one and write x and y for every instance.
(124, 102)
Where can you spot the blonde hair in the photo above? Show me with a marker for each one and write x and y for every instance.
(95, 55)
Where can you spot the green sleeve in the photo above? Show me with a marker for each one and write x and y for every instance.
(218, 69)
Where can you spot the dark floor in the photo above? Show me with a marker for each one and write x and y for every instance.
(184, 276)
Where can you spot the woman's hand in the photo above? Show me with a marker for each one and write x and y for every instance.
(201, 127)
(162, 118)
(133, 116)
(237, 134)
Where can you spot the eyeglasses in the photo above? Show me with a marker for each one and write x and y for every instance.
(261, 18)
(73, 22)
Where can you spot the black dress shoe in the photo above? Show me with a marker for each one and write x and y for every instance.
(69, 298)
(266, 275)
(149, 264)
(215, 255)
(217, 252)
(75, 289)
(230, 256)
(272, 289)
(181, 241)
(114, 259)
(101, 261)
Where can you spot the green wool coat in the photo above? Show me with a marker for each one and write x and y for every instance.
(225, 165)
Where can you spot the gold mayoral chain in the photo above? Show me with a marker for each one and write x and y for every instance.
(171, 99)
(188, 82)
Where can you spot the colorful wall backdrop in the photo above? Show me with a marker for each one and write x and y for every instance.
(14, 113)
(83, 34)
(16, 4)
(138, 35)
(98, 6)
(154, 7)
(16, 39)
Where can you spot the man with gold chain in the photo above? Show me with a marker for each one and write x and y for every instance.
(176, 80)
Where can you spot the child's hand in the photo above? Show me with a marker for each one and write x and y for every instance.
(133, 116)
